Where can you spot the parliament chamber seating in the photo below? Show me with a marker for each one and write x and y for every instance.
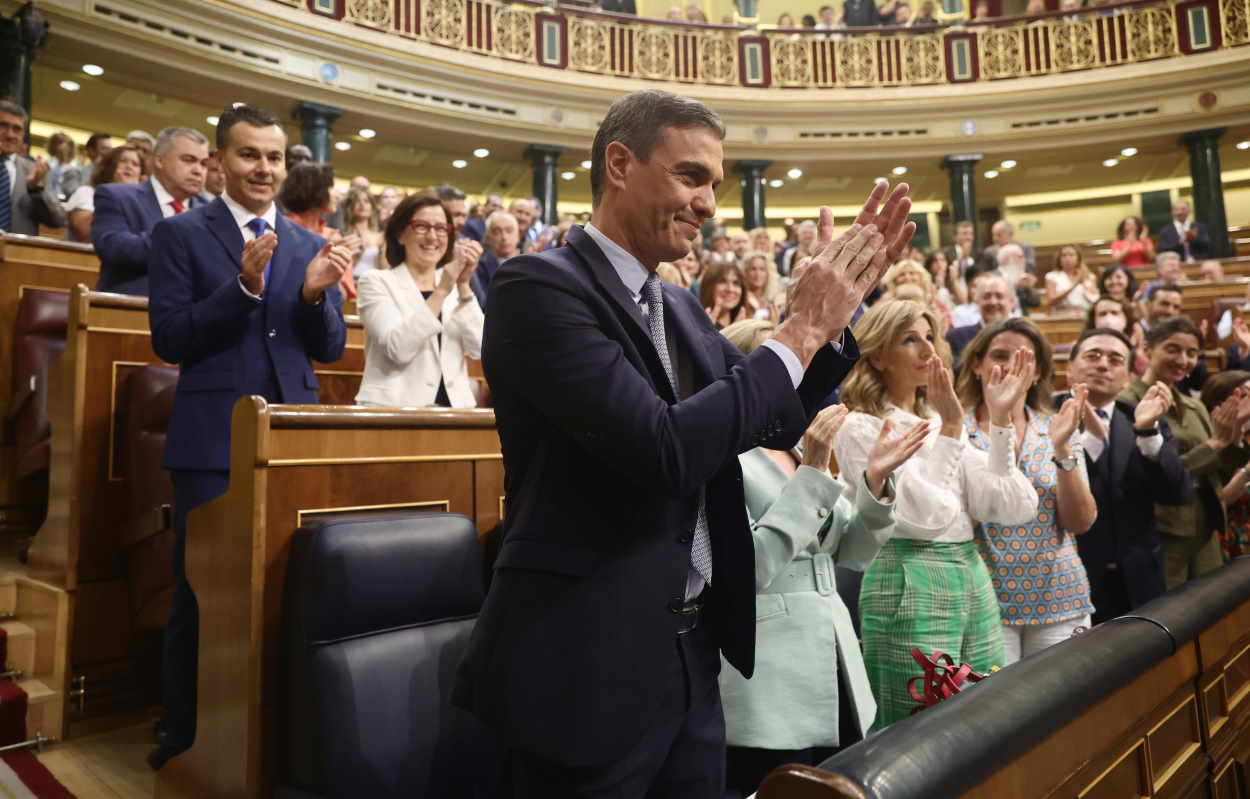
(38, 341)
(1153, 704)
(378, 612)
(148, 540)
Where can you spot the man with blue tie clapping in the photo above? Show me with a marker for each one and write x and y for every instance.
(243, 301)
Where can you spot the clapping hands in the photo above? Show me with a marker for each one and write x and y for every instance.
(890, 452)
(1008, 386)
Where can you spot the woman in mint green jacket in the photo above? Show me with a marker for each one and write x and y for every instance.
(809, 695)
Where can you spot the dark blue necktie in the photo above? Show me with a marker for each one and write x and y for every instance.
(258, 227)
(6, 195)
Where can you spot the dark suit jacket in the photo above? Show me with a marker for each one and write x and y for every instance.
(228, 344)
(28, 211)
(576, 641)
(1169, 240)
(474, 228)
(958, 338)
(121, 230)
(1125, 485)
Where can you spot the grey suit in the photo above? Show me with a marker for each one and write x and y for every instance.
(31, 210)
(74, 176)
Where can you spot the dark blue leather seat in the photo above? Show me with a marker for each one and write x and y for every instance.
(378, 611)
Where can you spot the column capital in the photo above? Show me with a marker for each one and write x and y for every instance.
(543, 153)
(753, 166)
(1207, 134)
(961, 159)
(309, 112)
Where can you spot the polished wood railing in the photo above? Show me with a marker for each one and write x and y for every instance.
(568, 37)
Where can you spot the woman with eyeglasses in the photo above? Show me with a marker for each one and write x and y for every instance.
(421, 318)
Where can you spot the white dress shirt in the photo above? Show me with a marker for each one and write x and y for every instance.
(166, 200)
(10, 166)
(241, 217)
(948, 483)
(1093, 445)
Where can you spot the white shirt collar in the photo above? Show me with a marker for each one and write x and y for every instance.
(164, 198)
(631, 271)
(242, 216)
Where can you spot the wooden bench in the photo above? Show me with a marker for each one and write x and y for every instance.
(1154, 704)
(28, 262)
(291, 463)
(79, 548)
(1059, 328)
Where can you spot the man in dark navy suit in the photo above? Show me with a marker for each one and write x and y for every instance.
(627, 565)
(242, 300)
(1184, 236)
(1133, 464)
(121, 228)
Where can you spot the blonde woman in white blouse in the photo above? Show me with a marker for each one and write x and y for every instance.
(928, 587)
(420, 316)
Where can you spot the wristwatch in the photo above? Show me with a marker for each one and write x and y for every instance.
(1066, 464)
(1148, 432)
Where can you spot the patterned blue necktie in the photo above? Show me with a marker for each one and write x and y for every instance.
(701, 547)
(6, 195)
(258, 227)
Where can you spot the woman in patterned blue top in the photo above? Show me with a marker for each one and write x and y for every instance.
(1043, 593)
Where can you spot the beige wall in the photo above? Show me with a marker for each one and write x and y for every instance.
(1069, 222)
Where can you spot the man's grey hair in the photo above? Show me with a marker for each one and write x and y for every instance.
(637, 121)
(7, 106)
(141, 134)
(496, 217)
(1010, 228)
(165, 139)
(1169, 255)
(1009, 250)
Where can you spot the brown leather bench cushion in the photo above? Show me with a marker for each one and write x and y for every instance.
(38, 341)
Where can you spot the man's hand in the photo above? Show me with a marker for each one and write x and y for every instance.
(843, 271)
(325, 269)
(34, 178)
(256, 255)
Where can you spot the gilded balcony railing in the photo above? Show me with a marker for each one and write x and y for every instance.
(562, 37)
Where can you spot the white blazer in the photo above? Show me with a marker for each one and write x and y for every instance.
(403, 358)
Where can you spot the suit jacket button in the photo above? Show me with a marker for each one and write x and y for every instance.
(685, 539)
(822, 512)
(273, 332)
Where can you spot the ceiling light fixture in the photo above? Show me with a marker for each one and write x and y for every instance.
(795, 173)
(342, 146)
(585, 165)
(776, 183)
(899, 170)
(1129, 152)
(70, 86)
(1008, 164)
(212, 120)
(568, 175)
(991, 173)
(1111, 162)
(94, 70)
(460, 163)
(367, 133)
(481, 152)
(1243, 145)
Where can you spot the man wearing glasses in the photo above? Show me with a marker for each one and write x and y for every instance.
(25, 200)
(1130, 456)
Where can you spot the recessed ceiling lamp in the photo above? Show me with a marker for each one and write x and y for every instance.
(460, 163)
(342, 146)
(991, 173)
(880, 180)
(776, 183)
(1129, 152)
(481, 152)
(899, 170)
(795, 173)
(212, 120)
(1111, 162)
(1243, 145)
(70, 86)
(1008, 164)
(94, 70)
(585, 165)
(367, 133)
(568, 175)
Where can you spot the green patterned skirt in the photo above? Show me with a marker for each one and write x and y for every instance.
(936, 596)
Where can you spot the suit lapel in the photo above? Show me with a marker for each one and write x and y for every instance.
(690, 335)
(221, 225)
(1122, 445)
(151, 207)
(607, 278)
(283, 252)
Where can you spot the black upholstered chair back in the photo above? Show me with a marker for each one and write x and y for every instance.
(38, 341)
(378, 611)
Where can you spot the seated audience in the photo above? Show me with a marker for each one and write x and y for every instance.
(61, 150)
(961, 255)
(121, 227)
(388, 199)
(720, 252)
(1117, 282)
(859, 13)
(121, 165)
(1234, 461)
(910, 273)
(694, 13)
(740, 245)
(1043, 593)
(1162, 302)
(501, 244)
(420, 316)
(809, 696)
(28, 201)
(456, 203)
(952, 290)
(981, 11)
(145, 143)
(805, 247)
(362, 227)
(760, 240)
(74, 176)
(1129, 454)
(1170, 272)
(298, 154)
(674, 14)
(1070, 286)
(1120, 315)
(927, 15)
(722, 296)
(1184, 236)
(786, 20)
(1132, 246)
(308, 197)
(1003, 233)
(1212, 270)
(994, 301)
(901, 379)
(690, 269)
(1190, 532)
(475, 226)
(214, 179)
(763, 287)
(1013, 267)
(664, 271)
(1239, 349)
(827, 19)
(619, 6)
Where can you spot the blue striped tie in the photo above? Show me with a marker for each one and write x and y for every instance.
(6, 195)
(258, 227)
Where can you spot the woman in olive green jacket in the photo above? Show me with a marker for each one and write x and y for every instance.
(1190, 532)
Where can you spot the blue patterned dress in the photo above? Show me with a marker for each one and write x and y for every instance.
(1036, 569)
